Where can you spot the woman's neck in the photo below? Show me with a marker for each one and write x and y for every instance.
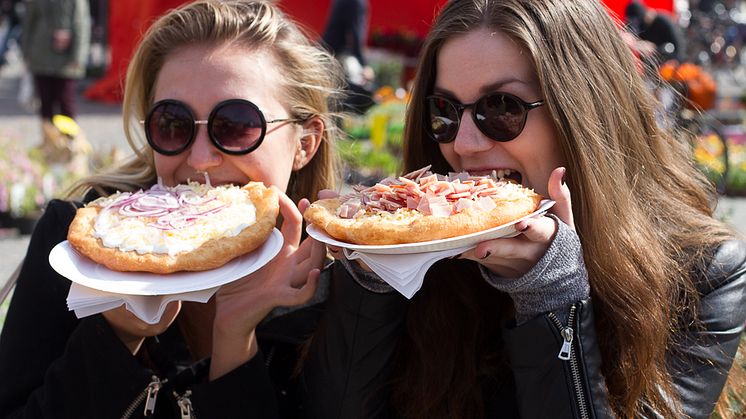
(195, 323)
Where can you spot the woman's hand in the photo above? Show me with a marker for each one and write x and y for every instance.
(334, 251)
(303, 205)
(513, 257)
(289, 279)
(133, 331)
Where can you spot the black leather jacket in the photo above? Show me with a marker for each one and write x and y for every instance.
(348, 364)
(55, 365)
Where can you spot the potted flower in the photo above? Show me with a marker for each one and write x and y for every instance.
(373, 148)
(722, 157)
(25, 185)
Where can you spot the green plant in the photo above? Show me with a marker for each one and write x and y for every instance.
(359, 155)
(25, 184)
(374, 144)
(709, 153)
(28, 180)
(388, 72)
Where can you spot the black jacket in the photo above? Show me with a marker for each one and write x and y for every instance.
(352, 352)
(53, 365)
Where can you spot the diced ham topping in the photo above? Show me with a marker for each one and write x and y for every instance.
(428, 193)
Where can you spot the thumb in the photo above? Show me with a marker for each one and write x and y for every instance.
(303, 205)
(560, 194)
(327, 194)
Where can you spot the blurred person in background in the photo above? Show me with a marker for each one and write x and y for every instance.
(345, 36)
(11, 13)
(661, 39)
(55, 45)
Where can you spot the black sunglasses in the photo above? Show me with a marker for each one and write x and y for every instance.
(235, 126)
(500, 116)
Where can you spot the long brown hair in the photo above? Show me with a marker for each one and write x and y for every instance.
(311, 82)
(642, 210)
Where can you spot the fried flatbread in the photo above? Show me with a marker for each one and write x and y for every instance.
(162, 230)
(429, 207)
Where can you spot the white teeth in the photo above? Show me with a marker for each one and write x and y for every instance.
(502, 173)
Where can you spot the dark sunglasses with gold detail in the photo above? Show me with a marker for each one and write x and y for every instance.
(235, 126)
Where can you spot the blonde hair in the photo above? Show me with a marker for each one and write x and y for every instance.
(311, 83)
(642, 210)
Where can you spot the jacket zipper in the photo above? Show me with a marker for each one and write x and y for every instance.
(270, 355)
(185, 405)
(567, 353)
(148, 395)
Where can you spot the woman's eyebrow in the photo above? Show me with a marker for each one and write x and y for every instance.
(488, 88)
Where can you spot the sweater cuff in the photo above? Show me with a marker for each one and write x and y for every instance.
(557, 280)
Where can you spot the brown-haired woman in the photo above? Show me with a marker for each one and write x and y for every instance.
(627, 302)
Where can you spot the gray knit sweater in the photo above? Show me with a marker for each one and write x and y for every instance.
(557, 280)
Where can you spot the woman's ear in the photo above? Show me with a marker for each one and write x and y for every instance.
(309, 143)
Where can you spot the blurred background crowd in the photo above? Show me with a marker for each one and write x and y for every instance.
(692, 51)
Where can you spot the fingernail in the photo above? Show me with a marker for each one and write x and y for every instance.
(564, 172)
(524, 228)
(456, 256)
(486, 255)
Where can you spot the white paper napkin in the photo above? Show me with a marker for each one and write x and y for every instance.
(148, 308)
(404, 272)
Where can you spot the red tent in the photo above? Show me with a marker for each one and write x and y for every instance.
(385, 15)
(617, 6)
(416, 16)
(127, 23)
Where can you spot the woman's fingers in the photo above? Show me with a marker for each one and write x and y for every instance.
(291, 219)
(318, 252)
(560, 193)
(310, 255)
(539, 229)
(303, 205)
(327, 194)
(297, 296)
(513, 248)
(515, 256)
(335, 252)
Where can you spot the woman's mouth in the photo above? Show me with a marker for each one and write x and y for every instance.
(510, 175)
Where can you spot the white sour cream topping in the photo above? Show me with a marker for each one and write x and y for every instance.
(172, 219)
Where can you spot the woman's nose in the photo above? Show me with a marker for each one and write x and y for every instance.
(203, 154)
(469, 139)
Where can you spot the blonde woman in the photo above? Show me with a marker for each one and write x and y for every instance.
(626, 301)
(209, 60)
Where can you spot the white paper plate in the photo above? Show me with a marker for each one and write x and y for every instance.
(504, 230)
(78, 268)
